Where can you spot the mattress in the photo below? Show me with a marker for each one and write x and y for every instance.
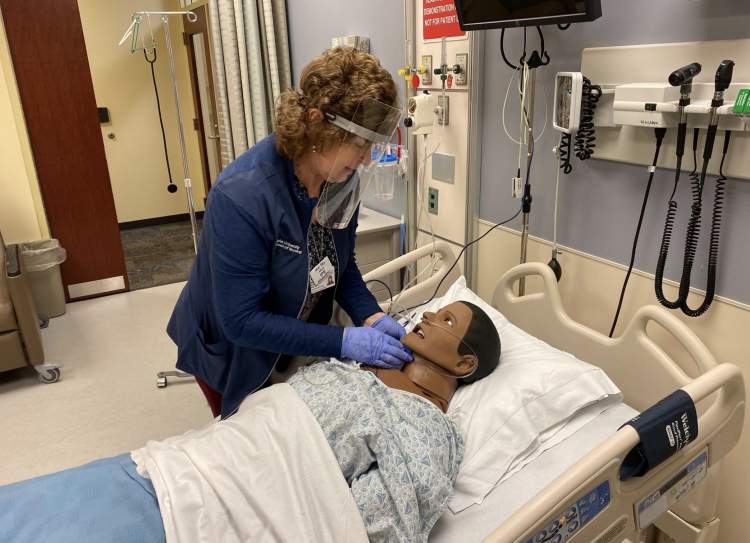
(477, 522)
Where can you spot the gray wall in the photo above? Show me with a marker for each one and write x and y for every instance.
(600, 201)
(312, 25)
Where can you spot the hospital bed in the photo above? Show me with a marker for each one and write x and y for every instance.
(547, 496)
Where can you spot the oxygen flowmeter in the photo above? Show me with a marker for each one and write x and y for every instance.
(408, 72)
(444, 70)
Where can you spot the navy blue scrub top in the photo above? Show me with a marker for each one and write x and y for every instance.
(240, 310)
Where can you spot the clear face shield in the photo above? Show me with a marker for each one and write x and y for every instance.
(367, 136)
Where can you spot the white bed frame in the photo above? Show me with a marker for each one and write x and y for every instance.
(645, 374)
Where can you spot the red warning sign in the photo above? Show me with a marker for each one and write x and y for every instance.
(439, 19)
(450, 80)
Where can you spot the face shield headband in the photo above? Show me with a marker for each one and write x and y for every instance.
(366, 139)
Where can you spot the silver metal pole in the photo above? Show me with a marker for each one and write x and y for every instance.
(188, 183)
(527, 210)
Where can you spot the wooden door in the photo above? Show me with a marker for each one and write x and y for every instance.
(197, 41)
(57, 95)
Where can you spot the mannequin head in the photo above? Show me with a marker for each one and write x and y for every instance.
(468, 339)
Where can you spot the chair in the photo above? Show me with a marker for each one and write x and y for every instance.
(20, 338)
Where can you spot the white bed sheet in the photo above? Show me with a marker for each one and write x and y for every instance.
(477, 522)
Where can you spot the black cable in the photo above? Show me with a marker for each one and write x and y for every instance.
(544, 56)
(382, 283)
(564, 27)
(458, 259)
(669, 226)
(590, 95)
(660, 132)
(565, 154)
(161, 121)
(713, 253)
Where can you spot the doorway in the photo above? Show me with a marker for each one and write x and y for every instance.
(196, 38)
(141, 135)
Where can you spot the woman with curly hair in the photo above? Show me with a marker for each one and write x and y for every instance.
(277, 247)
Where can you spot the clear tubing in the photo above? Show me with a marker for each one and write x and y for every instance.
(444, 53)
(424, 208)
(442, 371)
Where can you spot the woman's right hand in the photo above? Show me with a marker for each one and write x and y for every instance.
(368, 346)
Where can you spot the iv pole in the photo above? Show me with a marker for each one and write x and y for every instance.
(536, 60)
(161, 377)
(533, 63)
(192, 17)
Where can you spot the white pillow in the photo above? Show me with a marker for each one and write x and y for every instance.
(527, 399)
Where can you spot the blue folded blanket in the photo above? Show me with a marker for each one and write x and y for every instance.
(105, 501)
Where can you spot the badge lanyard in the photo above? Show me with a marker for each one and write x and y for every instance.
(323, 274)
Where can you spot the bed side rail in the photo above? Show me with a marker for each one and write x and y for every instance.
(634, 361)
(719, 430)
(422, 291)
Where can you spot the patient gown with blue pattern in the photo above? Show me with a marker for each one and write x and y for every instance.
(399, 453)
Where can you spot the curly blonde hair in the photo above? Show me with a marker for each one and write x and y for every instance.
(334, 82)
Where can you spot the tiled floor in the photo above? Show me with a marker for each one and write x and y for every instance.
(158, 255)
(106, 401)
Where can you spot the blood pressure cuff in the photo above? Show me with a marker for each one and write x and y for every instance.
(664, 429)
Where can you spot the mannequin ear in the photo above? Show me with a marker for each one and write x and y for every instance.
(466, 364)
(314, 116)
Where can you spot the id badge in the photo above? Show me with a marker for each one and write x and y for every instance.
(327, 282)
(321, 271)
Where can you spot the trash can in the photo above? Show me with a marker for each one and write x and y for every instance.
(42, 260)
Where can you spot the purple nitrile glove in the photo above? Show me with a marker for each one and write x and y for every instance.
(388, 325)
(374, 348)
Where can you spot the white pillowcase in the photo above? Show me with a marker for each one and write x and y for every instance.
(528, 398)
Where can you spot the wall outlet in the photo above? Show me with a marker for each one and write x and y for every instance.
(443, 117)
(517, 191)
(462, 59)
(427, 75)
(432, 201)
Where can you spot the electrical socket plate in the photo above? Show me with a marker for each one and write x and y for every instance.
(446, 110)
(432, 202)
(517, 191)
(427, 75)
(462, 60)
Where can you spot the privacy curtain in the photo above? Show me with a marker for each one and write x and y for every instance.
(251, 52)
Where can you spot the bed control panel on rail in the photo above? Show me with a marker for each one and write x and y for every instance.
(578, 513)
(663, 498)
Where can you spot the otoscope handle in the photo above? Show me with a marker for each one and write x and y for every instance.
(710, 139)
(681, 137)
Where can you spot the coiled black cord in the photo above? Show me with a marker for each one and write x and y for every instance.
(660, 133)
(713, 253)
(585, 137)
(565, 154)
(669, 226)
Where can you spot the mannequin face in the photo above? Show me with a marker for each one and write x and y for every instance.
(337, 162)
(439, 346)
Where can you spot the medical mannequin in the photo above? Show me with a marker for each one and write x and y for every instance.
(442, 348)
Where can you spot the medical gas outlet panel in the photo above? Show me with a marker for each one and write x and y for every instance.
(575, 516)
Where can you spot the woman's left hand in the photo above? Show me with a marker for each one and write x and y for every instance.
(389, 326)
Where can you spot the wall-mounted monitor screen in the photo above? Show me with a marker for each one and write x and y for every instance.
(486, 14)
